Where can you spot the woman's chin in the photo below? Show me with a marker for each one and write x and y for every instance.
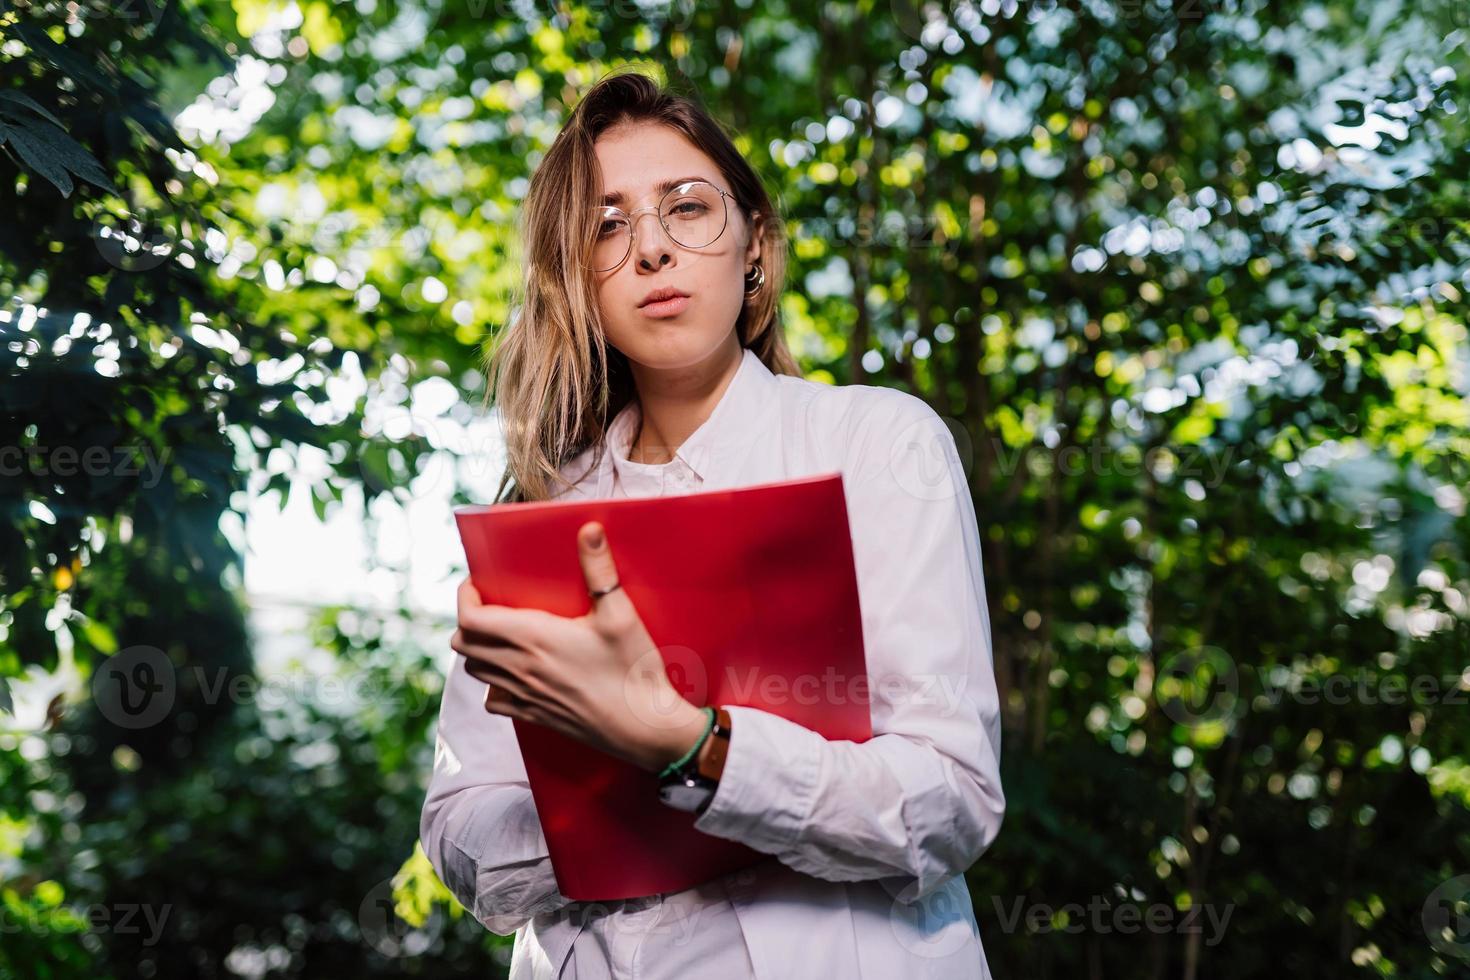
(667, 345)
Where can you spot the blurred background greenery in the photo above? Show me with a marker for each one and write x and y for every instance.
(1187, 280)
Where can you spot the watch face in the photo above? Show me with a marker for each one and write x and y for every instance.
(682, 796)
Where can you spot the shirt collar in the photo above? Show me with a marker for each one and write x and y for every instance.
(735, 419)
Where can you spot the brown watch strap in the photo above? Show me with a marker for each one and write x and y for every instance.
(719, 744)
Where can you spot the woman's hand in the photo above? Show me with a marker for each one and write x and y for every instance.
(598, 678)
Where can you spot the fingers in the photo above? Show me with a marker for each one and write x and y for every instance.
(467, 596)
(500, 701)
(502, 691)
(488, 655)
(500, 624)
(597, 560)
(601, 572)
(483, 672)
(503, 698)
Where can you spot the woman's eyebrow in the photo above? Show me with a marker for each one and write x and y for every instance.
(662, 188)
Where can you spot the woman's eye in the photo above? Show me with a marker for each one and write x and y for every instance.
(607, 229)
(685, 209)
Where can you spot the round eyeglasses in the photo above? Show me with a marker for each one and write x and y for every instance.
(692, 213)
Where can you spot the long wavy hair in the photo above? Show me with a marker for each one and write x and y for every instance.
(556, 381)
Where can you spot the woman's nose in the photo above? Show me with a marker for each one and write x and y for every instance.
(650, 242)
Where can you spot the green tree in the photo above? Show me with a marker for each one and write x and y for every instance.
(1187, 280)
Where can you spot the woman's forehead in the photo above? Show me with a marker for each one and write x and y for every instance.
(640, 160)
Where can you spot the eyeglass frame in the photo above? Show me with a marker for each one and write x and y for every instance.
(657, 209)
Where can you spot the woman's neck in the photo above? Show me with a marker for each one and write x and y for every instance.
(674, 403)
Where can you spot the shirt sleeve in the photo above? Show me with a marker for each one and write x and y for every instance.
(921, 800)
(479, 825)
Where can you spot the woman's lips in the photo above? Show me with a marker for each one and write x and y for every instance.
(665, 307)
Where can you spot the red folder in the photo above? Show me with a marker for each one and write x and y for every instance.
(751, 596)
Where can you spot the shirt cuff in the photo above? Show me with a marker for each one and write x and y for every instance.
(767, 789)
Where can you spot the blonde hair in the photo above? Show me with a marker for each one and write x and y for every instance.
(556, 381)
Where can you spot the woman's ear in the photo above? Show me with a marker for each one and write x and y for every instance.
(753, 247)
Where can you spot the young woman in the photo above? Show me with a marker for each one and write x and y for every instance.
(647, 358)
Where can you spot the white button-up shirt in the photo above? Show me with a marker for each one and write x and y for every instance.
(868, 842)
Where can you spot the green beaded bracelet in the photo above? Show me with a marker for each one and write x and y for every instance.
(678, 763)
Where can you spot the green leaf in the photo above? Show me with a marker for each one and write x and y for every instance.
(37, 155)
(79, 68)
(319, 503)
(99, 635)
(73, 155)
(20, 98)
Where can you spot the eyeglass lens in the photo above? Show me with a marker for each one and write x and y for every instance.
(693, 214)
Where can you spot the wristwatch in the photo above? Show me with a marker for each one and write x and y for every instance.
(692, 786)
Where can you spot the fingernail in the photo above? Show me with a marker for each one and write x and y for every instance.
(595, 538)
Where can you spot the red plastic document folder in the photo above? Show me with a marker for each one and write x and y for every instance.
(750, 595)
